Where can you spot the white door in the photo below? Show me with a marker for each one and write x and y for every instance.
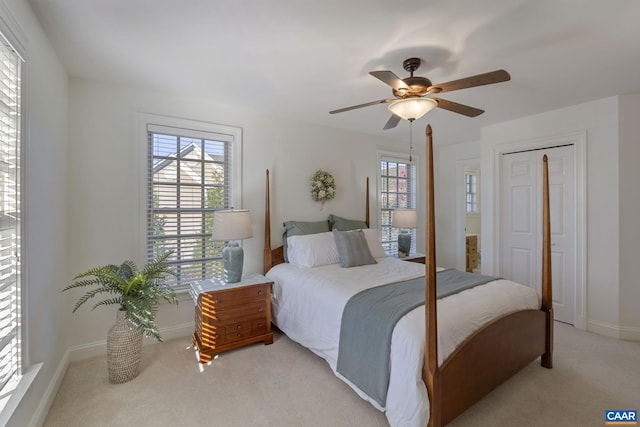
(521, 213)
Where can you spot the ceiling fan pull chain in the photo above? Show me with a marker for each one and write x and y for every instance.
(410, 139)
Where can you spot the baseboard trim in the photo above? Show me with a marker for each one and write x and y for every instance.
(628, 333)
(87, 351)
(601, 328)
(40, 414)
(99, 348)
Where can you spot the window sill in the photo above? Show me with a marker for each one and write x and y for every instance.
(12, 396)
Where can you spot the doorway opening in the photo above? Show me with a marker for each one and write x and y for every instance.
(472, 223)
(468, 216)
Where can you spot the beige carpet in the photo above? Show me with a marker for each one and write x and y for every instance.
(285, 385)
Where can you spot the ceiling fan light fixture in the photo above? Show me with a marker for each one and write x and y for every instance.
(412, 108)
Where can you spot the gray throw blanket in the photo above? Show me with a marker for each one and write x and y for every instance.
(368, 320)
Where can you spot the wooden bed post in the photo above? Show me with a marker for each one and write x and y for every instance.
(430, 371)
(547, 301)
(267, 230)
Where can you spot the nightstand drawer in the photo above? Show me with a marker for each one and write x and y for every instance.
(212, 337)
(238, 331)
(233, 297)
(472, 262)
(235, 314)
(259, 326)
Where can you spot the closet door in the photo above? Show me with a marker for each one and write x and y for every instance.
(521, 258)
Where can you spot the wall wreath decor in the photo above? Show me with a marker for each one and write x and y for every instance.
(323, 187)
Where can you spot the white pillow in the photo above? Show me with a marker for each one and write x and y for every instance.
(372, 236)
(312, 250)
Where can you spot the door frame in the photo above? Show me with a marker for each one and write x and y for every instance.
(491, 201)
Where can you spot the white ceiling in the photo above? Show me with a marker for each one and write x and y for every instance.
(304, 58)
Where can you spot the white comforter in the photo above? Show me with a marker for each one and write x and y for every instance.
(307, 305)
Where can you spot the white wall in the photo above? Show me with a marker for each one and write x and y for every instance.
(629, 178)
(44, 204)
(105, 170)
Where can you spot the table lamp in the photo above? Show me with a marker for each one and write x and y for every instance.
(230, 226)
(404, 219)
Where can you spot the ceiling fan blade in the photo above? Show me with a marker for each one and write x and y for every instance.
(392, 122)
(473, 81)
(458, 108)
(353, 107)
(389, 78)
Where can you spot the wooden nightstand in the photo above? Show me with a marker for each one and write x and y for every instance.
(231, 315)
(472, 252)
(414, 257)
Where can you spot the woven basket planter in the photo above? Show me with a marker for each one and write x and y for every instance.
(124, 347)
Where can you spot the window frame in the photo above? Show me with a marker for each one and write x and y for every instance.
(390, 246)
(12, 35)
(472, 199)
(193, 128)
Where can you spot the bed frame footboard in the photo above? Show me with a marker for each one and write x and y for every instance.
(488, 358)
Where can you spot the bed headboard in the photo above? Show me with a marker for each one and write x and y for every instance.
(273, 257)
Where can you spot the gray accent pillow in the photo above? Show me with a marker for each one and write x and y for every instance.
(298, 228)
(345, 224)
(353, 249)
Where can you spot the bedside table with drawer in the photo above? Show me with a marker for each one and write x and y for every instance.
(414, 257)
(472, 252)
(231, 315)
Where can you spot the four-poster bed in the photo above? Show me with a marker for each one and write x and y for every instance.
(462, 361)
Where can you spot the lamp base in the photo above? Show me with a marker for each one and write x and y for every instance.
(232, 260)
(404, 244)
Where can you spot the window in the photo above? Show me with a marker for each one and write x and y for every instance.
(10, 219)
(397, 191)
(471, 184)
(191, 174)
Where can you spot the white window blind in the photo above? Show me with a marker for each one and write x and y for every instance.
(10, 215)
(190, 175)
(397, 191)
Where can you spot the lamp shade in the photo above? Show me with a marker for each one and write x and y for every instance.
(231, 225)
(412, 108)
(404, 218)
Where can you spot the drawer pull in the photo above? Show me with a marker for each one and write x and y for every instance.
(239, 334)
(260, 310)
(260, 292)
(239, 326)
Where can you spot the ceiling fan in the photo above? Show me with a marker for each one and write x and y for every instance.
(410, 100)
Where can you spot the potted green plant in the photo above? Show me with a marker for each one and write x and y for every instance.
(137, 293)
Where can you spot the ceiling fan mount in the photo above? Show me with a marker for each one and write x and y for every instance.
(411, 64)
(418, 87)
(415, 86)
